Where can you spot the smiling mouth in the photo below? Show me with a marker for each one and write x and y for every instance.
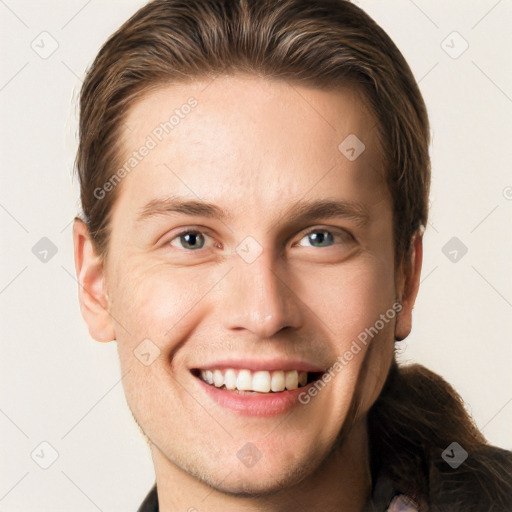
(261, 381)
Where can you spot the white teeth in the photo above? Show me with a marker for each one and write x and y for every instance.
(260, 381)
(230, 379)
(278, 382)
(292, 380)
(244, 380)
(207, 376)
(218, 378)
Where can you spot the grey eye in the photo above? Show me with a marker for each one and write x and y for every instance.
(319, 238)
(191, 240)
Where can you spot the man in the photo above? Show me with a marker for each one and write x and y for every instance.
(254, 181)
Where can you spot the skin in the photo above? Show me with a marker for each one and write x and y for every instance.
(299, 298)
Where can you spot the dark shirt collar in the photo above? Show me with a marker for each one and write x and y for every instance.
(384, 492)
(150, 503)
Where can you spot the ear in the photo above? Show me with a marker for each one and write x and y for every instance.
(91, 285)
(409, 283)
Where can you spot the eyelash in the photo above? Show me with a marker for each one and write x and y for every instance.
(335, 232)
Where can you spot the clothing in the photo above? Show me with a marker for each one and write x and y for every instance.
(150, 503)
(400, 503)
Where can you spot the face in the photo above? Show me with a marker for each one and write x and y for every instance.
(249, 249)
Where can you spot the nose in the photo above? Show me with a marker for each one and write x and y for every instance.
(258, 299)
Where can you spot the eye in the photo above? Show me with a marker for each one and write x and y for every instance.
(190, 239)
(325, 238)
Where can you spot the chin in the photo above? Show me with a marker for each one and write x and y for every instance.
(261, 484)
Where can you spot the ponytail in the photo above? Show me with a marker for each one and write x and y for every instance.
(415, 419)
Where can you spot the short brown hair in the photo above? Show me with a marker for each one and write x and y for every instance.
(325, 44)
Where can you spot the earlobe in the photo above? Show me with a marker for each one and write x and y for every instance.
(409, 288)
(91, 285)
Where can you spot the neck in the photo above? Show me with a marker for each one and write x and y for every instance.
(342, 483)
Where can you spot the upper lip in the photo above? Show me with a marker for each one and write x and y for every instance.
(273, 364)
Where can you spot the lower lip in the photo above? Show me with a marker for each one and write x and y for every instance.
(255, 404)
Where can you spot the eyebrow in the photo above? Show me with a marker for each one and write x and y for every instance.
(300, 212)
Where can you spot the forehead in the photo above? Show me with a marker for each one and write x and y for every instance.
(253, 141)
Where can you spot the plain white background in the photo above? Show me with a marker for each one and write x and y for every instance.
(60, 387)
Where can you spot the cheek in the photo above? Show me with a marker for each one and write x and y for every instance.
(354, 299)
(157, 303)
(153, 300)
(360, 310)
